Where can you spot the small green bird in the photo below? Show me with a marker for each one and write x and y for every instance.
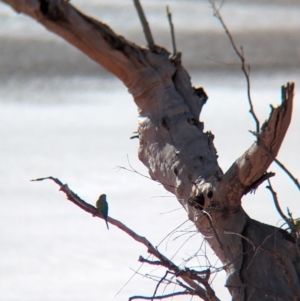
(102, 207)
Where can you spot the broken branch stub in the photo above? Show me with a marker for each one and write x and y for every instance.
(252, 165)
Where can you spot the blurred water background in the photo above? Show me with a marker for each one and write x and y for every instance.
(63, 115)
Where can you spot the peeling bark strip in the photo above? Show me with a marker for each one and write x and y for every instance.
(259, 260)
(255, 185)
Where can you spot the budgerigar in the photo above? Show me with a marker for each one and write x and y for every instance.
(102, 207)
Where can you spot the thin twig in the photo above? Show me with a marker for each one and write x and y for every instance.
(240, 54)
(183, 233)
(153, 262)
(168, 236)
(124, 285)
(137, 172)
(259, 247)
(145, 24)
(171, 211)
(276, 203)
(290, 214)
(213, 228)
(246, 71)
(147, 275)
(196, 253)
(184, 286)
(242, 236)
(184, 244)
(287, 172)
(159, 283)
(169, 14)
(161, 297)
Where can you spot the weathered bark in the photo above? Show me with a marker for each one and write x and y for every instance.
(262, 262)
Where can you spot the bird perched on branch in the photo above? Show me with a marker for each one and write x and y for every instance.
(102, 207)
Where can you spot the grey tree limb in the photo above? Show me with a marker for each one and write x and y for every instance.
(291, 176)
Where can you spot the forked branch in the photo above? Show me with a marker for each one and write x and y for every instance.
(253, 164)
(187, 275)
(246, 70)
(277, 206)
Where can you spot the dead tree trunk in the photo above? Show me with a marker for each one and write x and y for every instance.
(261, 261)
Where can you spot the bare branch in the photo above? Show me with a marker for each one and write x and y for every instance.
(145, 24)
(153, 262)
(169, 14)
(277, 206)
(253, 164)
(161, 297)
(206, 294)
(184, 286)
(160, 281)
(243, 237)
(240, 54)
(246, 71)
(288, 173)
(132, 169)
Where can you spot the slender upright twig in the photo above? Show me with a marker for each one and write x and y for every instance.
(246, 70)
(276, 203)
(169, 14)
(240, 54)
(145, 24)
(161, 281)
(287, 172)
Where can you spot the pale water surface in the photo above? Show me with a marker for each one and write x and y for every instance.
(62, 115)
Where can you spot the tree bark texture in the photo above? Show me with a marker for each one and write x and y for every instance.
(261, 261)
